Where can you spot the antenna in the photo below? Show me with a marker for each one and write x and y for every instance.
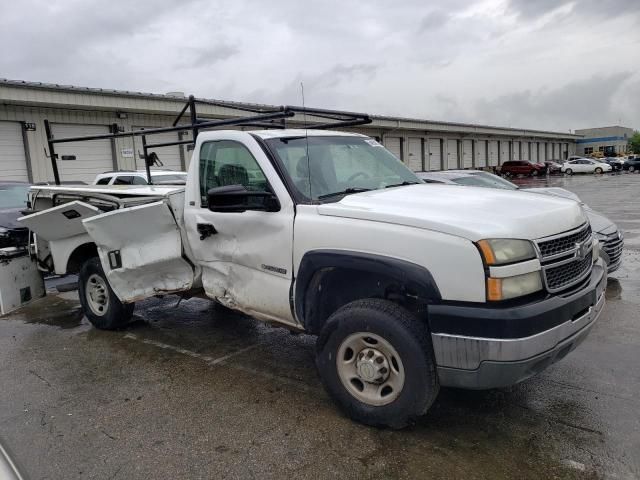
(306, 137)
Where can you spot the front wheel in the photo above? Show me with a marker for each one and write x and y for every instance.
(534, 173)
(598, 170)
(376, 361)
(99, 302)
(568, 171)
(632, 169)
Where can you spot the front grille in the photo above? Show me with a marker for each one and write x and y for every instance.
(566, 259)
(613, 246)
(566, 275)
(559, 245)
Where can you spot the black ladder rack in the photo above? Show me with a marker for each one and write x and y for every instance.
(264, 117)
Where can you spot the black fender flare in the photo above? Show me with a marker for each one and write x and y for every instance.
(415, 278)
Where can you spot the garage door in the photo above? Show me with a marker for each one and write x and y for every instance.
(435, 154)
(534, 151)
(504, 151)
(516, 151)
(467, 153)
(91, 157)
(493, 153)
(542, 151)
(524, 151)
(481, 153)
(452, 154)
(556, 151)
(13, 163)
(415, 154)
(169, 156)
(393, 145)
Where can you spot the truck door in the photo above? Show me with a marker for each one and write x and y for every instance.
(246, 257)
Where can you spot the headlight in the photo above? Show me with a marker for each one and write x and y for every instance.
(512, 287)
(499, 251)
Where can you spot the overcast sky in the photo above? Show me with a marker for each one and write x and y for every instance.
(545, 64)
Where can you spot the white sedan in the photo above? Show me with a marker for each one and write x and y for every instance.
(584, 165)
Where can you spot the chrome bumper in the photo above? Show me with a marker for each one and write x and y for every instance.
(481, 363)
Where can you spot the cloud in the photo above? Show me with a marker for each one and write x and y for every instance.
(208, 56)
(434, 20)
(531, 9)
(572, 105)
(507, 62)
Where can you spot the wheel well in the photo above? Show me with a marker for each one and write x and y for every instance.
(80, 255)
(331, 288)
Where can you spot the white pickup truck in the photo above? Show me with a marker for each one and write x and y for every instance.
(407, 286)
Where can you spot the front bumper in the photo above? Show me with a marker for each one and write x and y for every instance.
(520, 341)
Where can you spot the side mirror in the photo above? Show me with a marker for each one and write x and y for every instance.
(236, 198)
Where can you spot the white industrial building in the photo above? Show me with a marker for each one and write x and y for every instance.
(77, 111)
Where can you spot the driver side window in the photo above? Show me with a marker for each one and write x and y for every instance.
(224, 163)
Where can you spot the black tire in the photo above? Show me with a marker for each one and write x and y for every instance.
(115, 314)
(534, 173)
(410, 339)
(598, 170)
(632, 169)
(568, 171)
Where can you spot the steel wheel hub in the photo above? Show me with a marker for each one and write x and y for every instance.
(97, 294)
(370, 368)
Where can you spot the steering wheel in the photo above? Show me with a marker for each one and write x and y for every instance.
(358, 174)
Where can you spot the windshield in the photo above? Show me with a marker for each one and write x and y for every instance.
(323, 166)
(487, 180)
(13, 196)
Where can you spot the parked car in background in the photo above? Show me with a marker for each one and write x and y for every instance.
(139, 177)
(632, 164)
(605, 230)
(13, 200)
(585, 165)
(523, 167)
(553, 166)
(615, 162)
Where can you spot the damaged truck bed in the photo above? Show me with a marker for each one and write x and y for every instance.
(140, 224)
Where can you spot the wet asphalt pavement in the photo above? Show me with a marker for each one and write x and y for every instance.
(191, 392)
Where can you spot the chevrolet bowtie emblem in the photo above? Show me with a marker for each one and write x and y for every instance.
(581, 250)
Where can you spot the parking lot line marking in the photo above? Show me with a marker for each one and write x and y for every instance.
(206, 358)
(221, 361)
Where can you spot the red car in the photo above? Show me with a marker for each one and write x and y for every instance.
(523, 167)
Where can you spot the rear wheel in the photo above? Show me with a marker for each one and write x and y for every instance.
(534, 173)
(99, 302)
(598, 170)
(632, 169)
(568, 171)
(376, 361)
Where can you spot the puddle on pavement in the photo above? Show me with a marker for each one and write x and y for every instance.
(54, 310)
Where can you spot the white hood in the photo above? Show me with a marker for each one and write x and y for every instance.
(470, 212)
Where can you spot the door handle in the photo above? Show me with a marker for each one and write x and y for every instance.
(206, 230)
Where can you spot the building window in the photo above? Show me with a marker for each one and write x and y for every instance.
(601, 149)
(588, 150)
